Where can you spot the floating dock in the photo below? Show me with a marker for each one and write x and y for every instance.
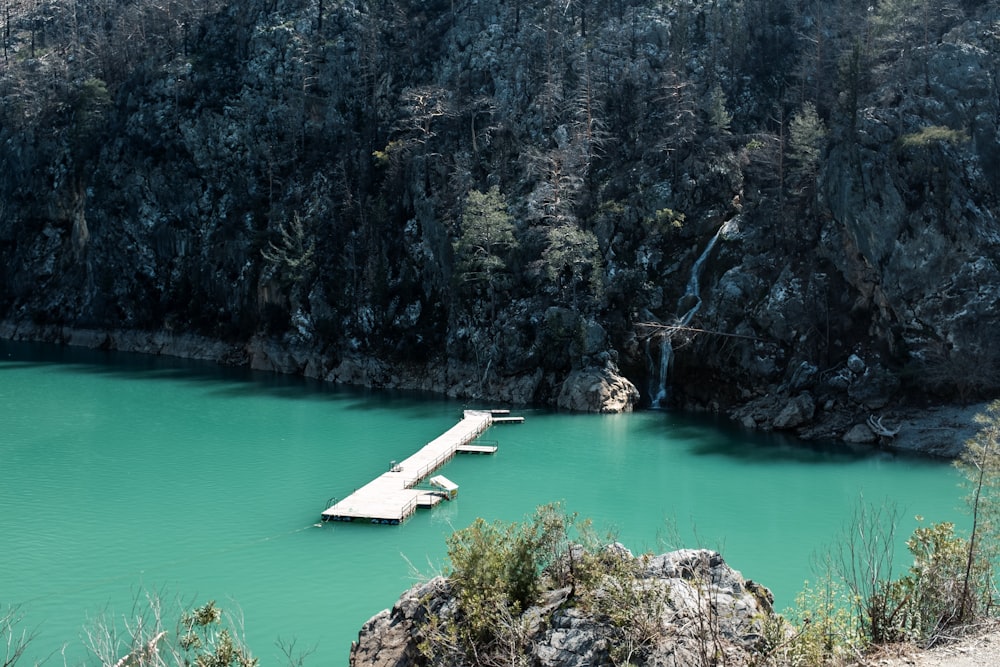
(391, 497)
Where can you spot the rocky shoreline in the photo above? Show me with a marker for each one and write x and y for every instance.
(939, 430)
(594, 389)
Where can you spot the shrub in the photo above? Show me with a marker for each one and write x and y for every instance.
(825, 628)
(933, 134)
(934, 585)
(497, 572)
(497, 568)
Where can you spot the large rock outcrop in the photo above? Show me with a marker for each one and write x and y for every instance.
(709, 611)
(597, 390)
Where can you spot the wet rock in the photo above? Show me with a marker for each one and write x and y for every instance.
(860, 434)
(357, 370)
(797, 411)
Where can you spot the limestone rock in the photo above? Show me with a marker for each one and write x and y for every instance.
(391, 637)
(597, 390)
(561, 633)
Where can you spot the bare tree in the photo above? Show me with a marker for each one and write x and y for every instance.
(204, 636)
(980, 462)
(865, 560)
(15, 638)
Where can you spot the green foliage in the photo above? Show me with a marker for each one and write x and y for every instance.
(293, 254)
(806, 135)
(635, 608)
(390, 155)
(950, 582)
(933, 134)
(204, 637)
(930, 598)
(980, 464)
(498, 570)
(91, 102)
(571, 262)
(92, 99)
(669, 219)
(826, 630)
(718, 116)
(497, 563)
(934, 586)
(485, 241)
(206, 644)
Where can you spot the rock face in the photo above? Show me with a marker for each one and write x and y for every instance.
(294, 180)
(709, 610)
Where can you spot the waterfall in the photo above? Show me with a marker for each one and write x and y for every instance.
(660, 371)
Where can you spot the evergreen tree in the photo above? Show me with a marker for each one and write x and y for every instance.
(485, 241)
(718, 116)
(806, 134)
(571, 261)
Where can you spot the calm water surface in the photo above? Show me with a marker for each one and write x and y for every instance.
(123, 474)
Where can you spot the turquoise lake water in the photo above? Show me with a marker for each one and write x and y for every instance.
(123, 474)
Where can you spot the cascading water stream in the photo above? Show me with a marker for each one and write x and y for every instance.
(692, 295)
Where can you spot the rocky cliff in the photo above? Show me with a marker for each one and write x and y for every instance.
(704, 613)
(787, 212)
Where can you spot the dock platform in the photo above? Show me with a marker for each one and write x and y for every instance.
(391, 497)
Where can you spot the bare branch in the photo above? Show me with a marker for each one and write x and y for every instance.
(879, 429)
(649, 329)
(15, 641)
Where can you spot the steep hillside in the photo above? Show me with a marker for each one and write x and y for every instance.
(784, 208)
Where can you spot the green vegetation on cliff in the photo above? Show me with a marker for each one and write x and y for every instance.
(323, 173)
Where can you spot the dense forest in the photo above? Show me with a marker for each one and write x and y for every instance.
(785, 205)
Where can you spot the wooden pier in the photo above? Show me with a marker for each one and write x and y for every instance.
(391, 497)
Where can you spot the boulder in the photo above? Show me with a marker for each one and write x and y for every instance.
(856, 364)
(860, 434)
(797, 411)
(597, 390)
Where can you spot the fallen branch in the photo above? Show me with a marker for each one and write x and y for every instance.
(143, 653)
(671, 329)
(881, 430)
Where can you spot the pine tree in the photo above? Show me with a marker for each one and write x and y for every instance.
(485, 241)
(806, 134)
